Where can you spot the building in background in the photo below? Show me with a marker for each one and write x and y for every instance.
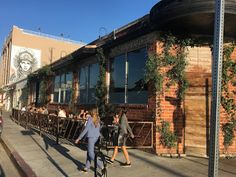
(26, 51)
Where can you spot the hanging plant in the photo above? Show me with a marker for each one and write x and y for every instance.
(227, 97)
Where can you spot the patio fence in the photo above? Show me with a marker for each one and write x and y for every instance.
(69, 128)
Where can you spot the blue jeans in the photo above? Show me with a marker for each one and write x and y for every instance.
(91, 153)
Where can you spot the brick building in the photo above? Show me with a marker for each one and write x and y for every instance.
(126, 50)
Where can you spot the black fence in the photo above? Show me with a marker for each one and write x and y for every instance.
(69, 128)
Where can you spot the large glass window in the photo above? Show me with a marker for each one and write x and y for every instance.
(127, 78)
(117, 81)
(88, 77)
(93, 79)
(63, 88)
(136, 90)
(57, 85)
(68, 90)
(83, 84)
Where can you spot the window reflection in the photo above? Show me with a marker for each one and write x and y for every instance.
(130, 89)
(83, 78)
(88, 77)
(56, 88)
(137, 91)
(63, 88)
(68, 87)
(93, 79)
(117, 81)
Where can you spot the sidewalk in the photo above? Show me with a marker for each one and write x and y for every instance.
(40, 156)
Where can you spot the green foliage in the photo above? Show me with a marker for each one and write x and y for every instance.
(175, 62)
(168, 139)
(152, 72)
(101, 89)
(43, 92)
(227, 97)
(45, 72)
(228, 129)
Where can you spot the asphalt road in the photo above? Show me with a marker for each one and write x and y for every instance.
(7, 168)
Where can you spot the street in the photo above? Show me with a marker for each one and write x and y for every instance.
(7, 168)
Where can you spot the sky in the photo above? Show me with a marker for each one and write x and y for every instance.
(80, 20)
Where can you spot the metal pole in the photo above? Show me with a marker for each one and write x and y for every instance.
(216, 88)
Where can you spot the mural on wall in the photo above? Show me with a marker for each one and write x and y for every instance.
(23, 62)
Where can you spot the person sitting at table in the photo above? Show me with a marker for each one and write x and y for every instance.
(61, 112)
(82, 114)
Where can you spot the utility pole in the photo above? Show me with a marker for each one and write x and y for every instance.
(216, 88)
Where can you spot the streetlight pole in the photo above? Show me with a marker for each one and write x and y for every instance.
(216, 88)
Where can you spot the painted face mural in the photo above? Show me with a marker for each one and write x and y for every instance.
(24, 61)
(25, 65)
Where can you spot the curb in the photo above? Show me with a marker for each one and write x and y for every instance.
(23, 168)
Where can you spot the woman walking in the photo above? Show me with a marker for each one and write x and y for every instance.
(121, 137)
(92, 132)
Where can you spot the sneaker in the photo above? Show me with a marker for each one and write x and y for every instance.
(110, 161)
(126, 165)
(84, 170)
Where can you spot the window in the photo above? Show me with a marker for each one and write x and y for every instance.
(88, 77)
(63, 88)
(68, 89)
(57, 85)
(127, 78)
(117, 82)
(136, 90)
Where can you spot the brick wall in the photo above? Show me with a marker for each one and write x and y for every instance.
(231, 149)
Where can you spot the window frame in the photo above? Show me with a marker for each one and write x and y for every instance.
(87, 67)
(126, 76)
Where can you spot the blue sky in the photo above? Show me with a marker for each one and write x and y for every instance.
(76, 19)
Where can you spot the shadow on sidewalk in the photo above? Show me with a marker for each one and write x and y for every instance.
(156, 165)
(220, 169)
(2, 174)
(51, 143)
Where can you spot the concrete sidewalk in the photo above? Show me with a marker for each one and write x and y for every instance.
(41, 156)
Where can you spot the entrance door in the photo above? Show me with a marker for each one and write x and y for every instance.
(197, 112)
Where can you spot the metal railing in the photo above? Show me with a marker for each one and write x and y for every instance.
(69, 128)
(53, 37)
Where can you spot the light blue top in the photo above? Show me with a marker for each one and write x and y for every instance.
(90, 130)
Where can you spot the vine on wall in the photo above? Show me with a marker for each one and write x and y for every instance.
(173, 59)
(227, 97)
(101, 90)
(104, 109)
